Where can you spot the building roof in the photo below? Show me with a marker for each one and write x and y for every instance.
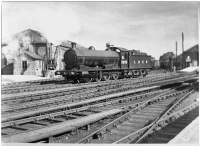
(194, 49)
(33, 36)
(67, 44)
(33, 55)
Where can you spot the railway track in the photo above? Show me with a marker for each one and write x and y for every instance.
(145, 82)
(51, 122)
(41, 102)
(167, 128)
(126, 130)
(53, 87)
(26, 116)
(53, 84)
(55, 116)
(25, 84)
(10, 109)
(138, 93)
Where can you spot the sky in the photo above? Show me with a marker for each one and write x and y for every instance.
(151, 27)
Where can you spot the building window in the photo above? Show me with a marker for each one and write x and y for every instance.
(134, 62)
(143, 61)
(146, 61)
(24, 64)
(138, 61)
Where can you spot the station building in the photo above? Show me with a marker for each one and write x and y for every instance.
(188, 58)
(31, 55)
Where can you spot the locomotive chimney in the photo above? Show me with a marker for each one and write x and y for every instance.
(73, 45)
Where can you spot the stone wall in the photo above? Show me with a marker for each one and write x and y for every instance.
(31, 66)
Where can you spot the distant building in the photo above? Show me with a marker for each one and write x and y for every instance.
(189, 58)
(32, 54)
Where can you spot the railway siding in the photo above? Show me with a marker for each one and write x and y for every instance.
(167, 128)
(48, 112)
(85, 102)
(109, 137)
(60, 128)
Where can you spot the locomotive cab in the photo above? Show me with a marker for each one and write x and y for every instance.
(124, 56)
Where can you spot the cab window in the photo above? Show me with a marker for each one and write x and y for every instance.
(126, 56)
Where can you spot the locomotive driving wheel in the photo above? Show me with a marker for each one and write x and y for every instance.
(136, 73)
(130, 74)
(76, 80)
(115, 75)
(143, 72)
(106, 76)
(122, 75)
(86, 80)
(99, 77)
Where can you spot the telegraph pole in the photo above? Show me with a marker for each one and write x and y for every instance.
(182, 50)
(176, 55)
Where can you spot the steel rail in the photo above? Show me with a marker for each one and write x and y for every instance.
(122, 118)
(118, 81)
(27, 114)
(58, 99)
(23, 116)
(112, 102)
(151, 126)
(70, 89)
(59, 128)
(168, 119)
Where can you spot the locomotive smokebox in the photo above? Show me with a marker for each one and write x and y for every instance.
(73, 45)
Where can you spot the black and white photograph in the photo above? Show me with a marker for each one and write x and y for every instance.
(100, 72)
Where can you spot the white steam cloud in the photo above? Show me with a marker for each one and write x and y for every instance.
(10, 49)
(55, 20)
(11, 45)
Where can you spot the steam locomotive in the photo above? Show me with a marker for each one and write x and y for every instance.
(115, 62)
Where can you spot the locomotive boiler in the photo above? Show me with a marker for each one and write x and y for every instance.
(80, 58)
(115, 62)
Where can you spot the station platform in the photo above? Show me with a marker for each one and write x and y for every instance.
(188, 135)
(19, 78)
(193, 69)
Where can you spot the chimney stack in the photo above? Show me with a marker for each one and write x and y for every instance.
(73, 45)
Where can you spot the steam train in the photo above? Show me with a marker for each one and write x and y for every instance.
(86, 65)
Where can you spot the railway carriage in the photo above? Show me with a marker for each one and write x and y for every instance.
(113, 63)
